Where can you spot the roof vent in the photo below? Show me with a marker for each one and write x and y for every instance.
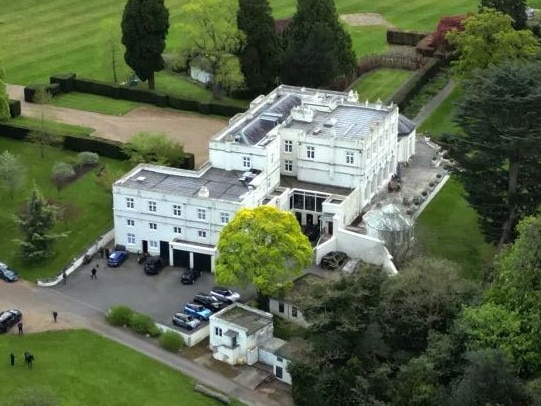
(331, 123)
(203, 192)
(140, 178)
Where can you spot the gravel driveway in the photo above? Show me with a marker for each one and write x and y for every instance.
(189, 129)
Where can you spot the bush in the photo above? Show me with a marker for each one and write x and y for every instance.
(171, 341)
(31, 90)
(120, 316)
(14, 108)
(143, 324)
(87, 158)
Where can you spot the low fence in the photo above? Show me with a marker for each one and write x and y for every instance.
(190, 339)
(389, 60)
(103, 241)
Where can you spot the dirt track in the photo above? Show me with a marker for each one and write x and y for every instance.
(191, 130)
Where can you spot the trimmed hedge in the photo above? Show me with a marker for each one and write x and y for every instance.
(182, 104)
(97, 87)
(65, 80)
(14, 108)
(13, 131)
(143, 324)
(404, 37)
(102, 147)
(30, 91)
(409, 89)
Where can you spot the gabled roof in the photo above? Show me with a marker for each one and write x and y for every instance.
(405, 126)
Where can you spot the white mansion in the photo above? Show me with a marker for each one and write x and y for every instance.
(320, 154)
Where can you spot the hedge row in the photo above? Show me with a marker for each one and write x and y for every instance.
(138, 322)
(100, 146)
(409, 89)
(69, 82)
(53, 89)
(404, 37)
(14, 108)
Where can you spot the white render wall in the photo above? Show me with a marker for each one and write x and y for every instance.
(287, 314)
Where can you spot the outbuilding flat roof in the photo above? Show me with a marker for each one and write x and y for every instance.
(244, 316)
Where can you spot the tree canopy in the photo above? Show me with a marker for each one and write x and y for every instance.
(319, 49)
(488, 38)
(12, 172)
(214, 40)
(263, 246)
(154, 148)
(516, 9)
(500, 115)
(36, 225)
(145, 24)
(261, 57)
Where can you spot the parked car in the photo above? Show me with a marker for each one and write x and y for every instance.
(185, 320)
(189, 276)
(117, 257)
(197, 311)
(153, 265)
(334, 260)
(209, 301)
(224, 294)
(8, 274)
(9, 318)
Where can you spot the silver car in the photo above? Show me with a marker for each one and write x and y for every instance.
(185, 321)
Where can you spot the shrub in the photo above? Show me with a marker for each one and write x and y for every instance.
(62, 174)
(119, 315)
(424, 193)
(14, 108)
(431, 184)
(87, 158)
(143, 324)
(171, 341)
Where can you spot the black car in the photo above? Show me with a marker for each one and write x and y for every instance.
(189, 276)
(9, 318)
(8, 274)
(209, 301)
(334, 260)
(153, 265)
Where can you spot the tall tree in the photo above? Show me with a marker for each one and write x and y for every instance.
(110, 29)
(12, 172)
(500, 115)
(319, 48)
(261, 57)
(145, 24)
(516, 9)
(264, 247)
(36, 225)
(426, 296)
(489, 38)
(215, 39)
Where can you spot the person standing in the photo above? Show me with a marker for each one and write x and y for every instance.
(106, 253)
(55, 315)
(93, 273)
(20, 326)
(12, 359)
(64, 278)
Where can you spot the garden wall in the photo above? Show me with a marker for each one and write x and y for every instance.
(404, 37)
(69, 82)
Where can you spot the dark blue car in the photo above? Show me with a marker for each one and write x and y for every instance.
(116, 258)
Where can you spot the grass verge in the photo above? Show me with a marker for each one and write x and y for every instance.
(55, 127)
(441, 119)
(87, 207)
(97, 104)
(85, 369)
(448, 228)
(380, 83)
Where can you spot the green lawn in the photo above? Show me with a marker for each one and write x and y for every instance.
(381, 83)
(55, 127)
(42, 38)
(98, 104)
(448, 228)
(441, 119)
(85, 369)
(87, 206)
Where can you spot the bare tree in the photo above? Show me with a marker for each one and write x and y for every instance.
(42, 135)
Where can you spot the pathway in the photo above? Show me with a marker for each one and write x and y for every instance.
(434, 103)
(191, 130)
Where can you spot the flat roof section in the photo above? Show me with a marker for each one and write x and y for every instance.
(221, 184)
(294, 183)
(251, 319)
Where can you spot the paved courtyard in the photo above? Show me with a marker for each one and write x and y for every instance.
(158, 296)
